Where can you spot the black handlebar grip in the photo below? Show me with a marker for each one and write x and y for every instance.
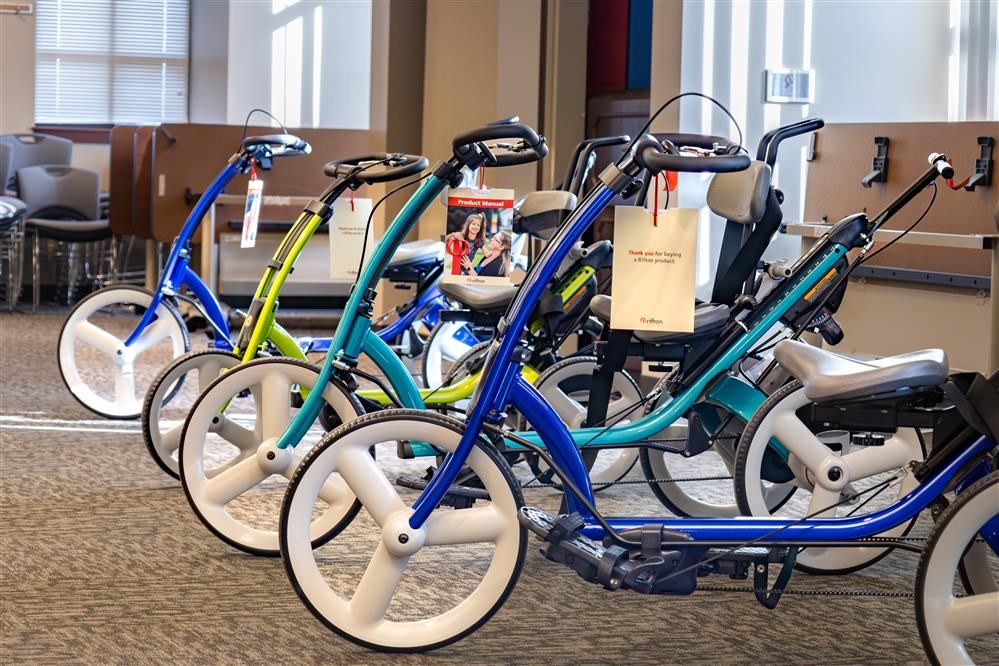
(400, 166)
(509, 120)
(494, 132)
(649, 155)
(505, 158)
(277, 144)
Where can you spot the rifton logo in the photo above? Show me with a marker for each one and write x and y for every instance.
(650, 320)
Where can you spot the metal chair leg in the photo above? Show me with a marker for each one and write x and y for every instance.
(35, 277)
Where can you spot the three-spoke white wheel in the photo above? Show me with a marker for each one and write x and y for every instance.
(566, 387)
(100, 371)
(384, 584)
(961, 629)
(163, 416)
(448, 341)
(233, 472)
(833, 476)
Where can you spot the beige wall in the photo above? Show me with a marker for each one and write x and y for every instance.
(667, 21)
(17, 81)
(482, 63)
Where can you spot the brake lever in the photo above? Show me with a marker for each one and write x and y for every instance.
(490, 158)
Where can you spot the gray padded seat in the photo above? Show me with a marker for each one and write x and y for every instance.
(417, 252)
(740, 196)
(480, 298)
(707, 316)
(828, 376)
(541, 213)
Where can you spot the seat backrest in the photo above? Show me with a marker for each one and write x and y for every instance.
(541, 213)
(35, 150)
(6, 166)
(52, 191)
(752, 212)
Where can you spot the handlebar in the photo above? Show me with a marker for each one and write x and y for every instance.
(276, 145)
(579, 164)
(360, 169)
(939, 168)
(767, 150)
(654, 156)
(470, 147)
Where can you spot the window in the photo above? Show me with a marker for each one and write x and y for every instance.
(111, 61)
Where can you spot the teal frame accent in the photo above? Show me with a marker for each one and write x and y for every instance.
(667, 415)
(353, 334)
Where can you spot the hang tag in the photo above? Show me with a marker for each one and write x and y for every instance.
(654, 269)
(251, 214)
(347, 237)
(478, 239)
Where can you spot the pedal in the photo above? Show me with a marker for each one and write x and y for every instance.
(613, 567)
(458, 497)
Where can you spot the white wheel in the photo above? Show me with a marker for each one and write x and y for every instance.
(566, 387)
(163, 416)
(960, 630)
(759, 472)
(234, 475)
(448, 341)
(383, 584)
(103, 374)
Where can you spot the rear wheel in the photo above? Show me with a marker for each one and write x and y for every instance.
(961, 630)
(761, 472)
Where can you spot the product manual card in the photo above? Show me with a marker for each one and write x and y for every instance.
(654, 269)
(478, 241)
(251, 214)
(348, 230)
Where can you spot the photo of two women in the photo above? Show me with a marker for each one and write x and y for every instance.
(471, 253)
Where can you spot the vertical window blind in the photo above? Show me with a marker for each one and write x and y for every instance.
(111, 61)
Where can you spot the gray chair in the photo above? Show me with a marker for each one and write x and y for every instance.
(29, 150)
(11, 231)
(62, 206)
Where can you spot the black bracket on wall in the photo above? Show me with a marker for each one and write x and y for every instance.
(983, 165)
(879, 170)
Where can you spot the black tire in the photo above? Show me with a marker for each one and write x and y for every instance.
(409, 415)
(147, 404)
(318, 541)
(938, 534)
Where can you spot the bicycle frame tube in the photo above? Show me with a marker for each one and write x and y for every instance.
(666, 416)
(499, 372)
(175, 269)
(270, 285)
(427, 304)
(212, 308)
(351, 334)
(744, 529)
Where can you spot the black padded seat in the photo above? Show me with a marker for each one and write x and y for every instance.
(707, 317)
(417, 252)
(482, 299)
(829, 376)
(70, 231)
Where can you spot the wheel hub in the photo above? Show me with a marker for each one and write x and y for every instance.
(272, 459)
(399, 538)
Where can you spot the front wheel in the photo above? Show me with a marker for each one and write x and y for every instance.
(392, 587)
(233, 473)
(100, 371)
(760, 471)
(163, 416)
(956, 630)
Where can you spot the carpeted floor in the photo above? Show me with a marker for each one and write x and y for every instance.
(104, 562)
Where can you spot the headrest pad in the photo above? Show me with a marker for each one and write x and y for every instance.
(740, 196)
